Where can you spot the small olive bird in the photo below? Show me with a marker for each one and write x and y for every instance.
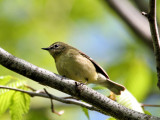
(76, 65)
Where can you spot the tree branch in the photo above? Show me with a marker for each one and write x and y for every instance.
(60, 99)
(76, 89)
(155, 35)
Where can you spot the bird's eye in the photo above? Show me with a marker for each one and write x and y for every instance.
(56, 46)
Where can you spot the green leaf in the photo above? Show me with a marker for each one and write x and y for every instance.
(5, 79)
(129, 101)
(85, 110)
(19, 105)
(17, 102)
(5, 100)
(5, 95)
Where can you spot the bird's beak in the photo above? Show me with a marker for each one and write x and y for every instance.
(46, 48)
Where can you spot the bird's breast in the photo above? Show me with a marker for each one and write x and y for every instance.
(76, 67)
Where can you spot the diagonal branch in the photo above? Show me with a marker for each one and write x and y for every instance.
(76, 89)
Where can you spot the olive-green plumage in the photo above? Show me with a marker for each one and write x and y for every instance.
(75, 65)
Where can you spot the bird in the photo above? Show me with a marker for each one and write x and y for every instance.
(74, 64)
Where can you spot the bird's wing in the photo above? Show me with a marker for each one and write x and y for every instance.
(99, 69)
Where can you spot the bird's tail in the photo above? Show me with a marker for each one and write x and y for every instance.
(112, 86)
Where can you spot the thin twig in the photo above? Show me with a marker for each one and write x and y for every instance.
(61, 99)
(149, 105)
(52, 105)
(30, 88)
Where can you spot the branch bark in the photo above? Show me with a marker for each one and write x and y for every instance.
(76, 89)
(155, 35)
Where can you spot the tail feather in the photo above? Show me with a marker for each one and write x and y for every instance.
(113, 86)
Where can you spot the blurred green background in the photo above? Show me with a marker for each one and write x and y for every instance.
(89, 25)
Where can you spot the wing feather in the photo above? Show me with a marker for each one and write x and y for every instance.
(99, 69)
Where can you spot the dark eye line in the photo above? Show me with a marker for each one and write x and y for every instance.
(51, 47)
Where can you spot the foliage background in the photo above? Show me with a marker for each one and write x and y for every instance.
(89, 25)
